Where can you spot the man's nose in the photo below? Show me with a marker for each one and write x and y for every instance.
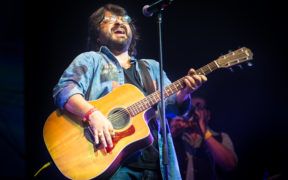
(118, 21)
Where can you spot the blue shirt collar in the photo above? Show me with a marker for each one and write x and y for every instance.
(107, 52)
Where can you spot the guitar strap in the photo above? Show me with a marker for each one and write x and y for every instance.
(146, 78)
(147, 82)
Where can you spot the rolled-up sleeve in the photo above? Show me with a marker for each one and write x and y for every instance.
(75, 79)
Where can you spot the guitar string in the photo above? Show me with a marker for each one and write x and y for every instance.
(134, 108)
(205, 69)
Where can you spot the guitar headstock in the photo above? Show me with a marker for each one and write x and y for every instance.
(235, 57)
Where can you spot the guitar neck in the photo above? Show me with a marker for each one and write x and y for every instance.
(169, 90)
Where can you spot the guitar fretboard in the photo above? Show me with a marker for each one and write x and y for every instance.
(172, 88)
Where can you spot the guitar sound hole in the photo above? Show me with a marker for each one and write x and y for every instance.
(119, 118)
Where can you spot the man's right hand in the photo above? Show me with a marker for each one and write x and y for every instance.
(100, 125)
(102, 129)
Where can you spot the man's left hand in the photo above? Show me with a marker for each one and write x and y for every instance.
(193, 82)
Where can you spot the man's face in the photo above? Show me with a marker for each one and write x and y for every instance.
(200, 106)
(115, 32)
(198, 103)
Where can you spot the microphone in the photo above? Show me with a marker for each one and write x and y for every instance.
(148, 10)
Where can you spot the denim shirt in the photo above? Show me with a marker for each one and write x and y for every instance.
(95, 74)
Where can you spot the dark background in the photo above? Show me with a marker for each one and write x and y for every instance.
(249, 104)
(12, 125)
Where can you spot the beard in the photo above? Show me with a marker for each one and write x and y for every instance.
(116, 44)
(119, 44)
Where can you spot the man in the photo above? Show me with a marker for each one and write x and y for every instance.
(110, 63)
(203, 153)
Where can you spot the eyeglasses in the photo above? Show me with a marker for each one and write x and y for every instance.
(112, 19)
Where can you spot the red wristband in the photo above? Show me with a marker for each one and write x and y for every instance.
(86, 117)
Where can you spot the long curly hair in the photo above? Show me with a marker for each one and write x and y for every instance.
(94, 27)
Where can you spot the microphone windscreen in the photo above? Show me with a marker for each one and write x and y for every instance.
(146, 12)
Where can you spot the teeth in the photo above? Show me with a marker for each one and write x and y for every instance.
(119, 31)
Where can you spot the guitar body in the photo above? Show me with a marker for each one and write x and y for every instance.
(76, 157)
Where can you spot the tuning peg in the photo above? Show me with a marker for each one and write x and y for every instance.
(231, 69)
(249, 64)
(240, 66)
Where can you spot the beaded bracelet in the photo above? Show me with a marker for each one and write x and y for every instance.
(88, 113)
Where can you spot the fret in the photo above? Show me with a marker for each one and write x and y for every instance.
(131, 111)
(148, 103)
(141, 105)
(179, 84)
(158, 98)
(209, 68)
(154, 98)
(206, 69)
(174, 85)
(202, 71)
(134, 109)
(171, 91)
(212, 64)
(137, 107)
(150, 98)
(166, 91)
(217, 65)
(147, 100)
(144, 103)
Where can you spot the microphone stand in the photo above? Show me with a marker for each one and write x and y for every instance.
(159, 7)
(162, 90)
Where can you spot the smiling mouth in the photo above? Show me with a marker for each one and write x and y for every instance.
(119, 31)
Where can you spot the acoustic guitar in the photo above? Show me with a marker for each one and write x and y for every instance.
(71, 143)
